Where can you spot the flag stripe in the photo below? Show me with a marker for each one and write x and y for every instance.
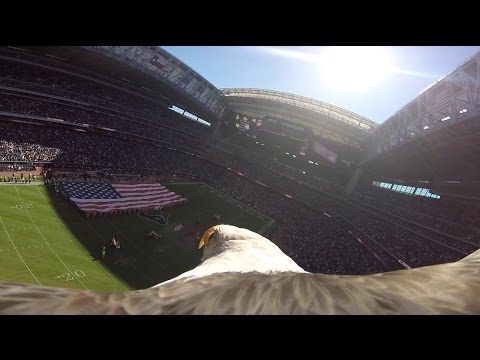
(137, 185)
(132, 192)
(139, 205)
(440, 101)
(103, 197)
(126, 199)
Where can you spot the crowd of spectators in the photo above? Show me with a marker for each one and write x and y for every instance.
(321, 231)
(437, 214)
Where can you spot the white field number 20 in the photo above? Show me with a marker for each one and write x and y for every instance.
(68, 276)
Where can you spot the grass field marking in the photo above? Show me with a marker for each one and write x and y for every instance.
(132, 266)
(20, 206)
(84, 250)
(69, 277)
(54, 212)
(141, 249)
(15, 184)
(113, 277)
(123, 262)
(20, 256)
(43, 237)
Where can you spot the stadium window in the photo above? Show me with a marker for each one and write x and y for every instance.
(403, 188)
(424, 191)
(189, 115)
(419, 190)
(177, 109)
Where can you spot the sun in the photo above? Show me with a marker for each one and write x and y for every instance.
(356, 68)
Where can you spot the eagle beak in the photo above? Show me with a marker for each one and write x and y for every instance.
(206, 236)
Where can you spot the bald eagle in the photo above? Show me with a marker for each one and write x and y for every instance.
(244, 273)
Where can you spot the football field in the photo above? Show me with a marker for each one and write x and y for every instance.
(44, 240)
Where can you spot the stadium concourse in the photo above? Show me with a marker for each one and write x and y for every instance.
(68, 122)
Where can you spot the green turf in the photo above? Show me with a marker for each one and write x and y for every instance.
(44, 240)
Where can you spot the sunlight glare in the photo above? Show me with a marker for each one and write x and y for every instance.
(355, 68)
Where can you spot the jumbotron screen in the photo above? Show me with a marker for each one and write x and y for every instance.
(291, 137)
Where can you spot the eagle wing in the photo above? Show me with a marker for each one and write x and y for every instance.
(440, 289)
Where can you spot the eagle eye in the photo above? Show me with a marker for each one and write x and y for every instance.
(210, 237)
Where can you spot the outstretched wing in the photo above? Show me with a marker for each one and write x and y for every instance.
(440, 289)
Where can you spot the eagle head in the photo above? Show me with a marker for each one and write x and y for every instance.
(236, 249)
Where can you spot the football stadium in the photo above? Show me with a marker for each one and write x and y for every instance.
(115, 160)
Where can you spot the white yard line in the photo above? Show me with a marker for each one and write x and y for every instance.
(43, 237)
(113, 277)
(20, 256)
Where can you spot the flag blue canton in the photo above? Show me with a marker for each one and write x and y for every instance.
(83, 190)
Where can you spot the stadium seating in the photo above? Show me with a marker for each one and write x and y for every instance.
(71, 122)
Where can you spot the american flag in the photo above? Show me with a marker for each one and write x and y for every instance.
(104, 197)
(155, 62)
(439, 101)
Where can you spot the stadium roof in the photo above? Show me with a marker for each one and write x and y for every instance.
(325, 119)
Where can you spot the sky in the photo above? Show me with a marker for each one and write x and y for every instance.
(374, 82)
